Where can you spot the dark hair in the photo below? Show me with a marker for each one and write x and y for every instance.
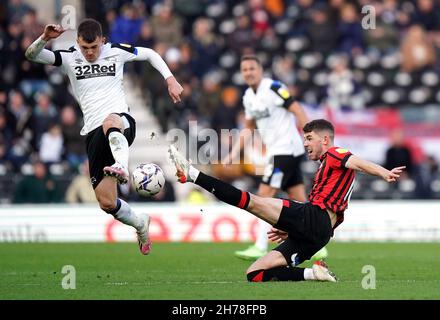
(320, 125)
(89, 30)
(250, 57)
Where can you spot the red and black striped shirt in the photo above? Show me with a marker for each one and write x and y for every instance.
(333, 183)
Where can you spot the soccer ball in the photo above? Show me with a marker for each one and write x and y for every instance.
(148, 179)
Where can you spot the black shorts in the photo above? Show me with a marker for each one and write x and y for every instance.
(283, 172)
(98, 148)
(309, 228)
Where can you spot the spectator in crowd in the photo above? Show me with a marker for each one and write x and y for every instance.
(342, 91)
(17, 9)
(6, 135)
(74, 151)
(226, 116)
(350, 31)
(80, 190)
(210, 96)
(399, 153)
(21, 146)
(427, 14)
(145, 38)
(385, 36)
(242, 38)
(38, 187)
(205, 46)
(126, 27)
(321, 32)
(51, 145)
(43, 114)
(31, 26)
(167, 26)
(417, 51)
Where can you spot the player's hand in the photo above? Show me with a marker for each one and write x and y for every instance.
(52, 31)
(277, 235)
(174, 89)
(393, 174)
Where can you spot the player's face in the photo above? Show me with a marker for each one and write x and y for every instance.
(313, 143)
(91, 50)
(251, 72)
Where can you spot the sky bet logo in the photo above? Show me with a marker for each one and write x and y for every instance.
(94, 70)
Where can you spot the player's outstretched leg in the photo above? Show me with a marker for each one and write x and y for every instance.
(223, 191)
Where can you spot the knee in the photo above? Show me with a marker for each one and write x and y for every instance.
(112, 121)
(107, 204)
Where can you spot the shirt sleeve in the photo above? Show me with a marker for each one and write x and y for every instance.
(247, 113)
(127, 52)
(281, 91)
(60, 56)
(45, 57)
(337, 157)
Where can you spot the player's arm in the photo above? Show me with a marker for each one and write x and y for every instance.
(290, 103)
(36, 52)
(301, 116)
(174, 87)
(374, 169)
(249, 126)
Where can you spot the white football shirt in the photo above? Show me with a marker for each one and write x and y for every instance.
(276, 125)
(98, 85)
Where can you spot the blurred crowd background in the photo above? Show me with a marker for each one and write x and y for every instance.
(319, 49)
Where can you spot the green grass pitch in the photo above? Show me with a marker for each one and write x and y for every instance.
(182, 271)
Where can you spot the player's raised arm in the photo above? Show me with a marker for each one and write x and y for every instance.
(36, 52)
(362, 165)
(174, 87)
(301, 116)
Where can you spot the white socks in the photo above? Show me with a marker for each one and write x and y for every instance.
(119, 147)
(262, 242)
(308, 274)
(127, 216)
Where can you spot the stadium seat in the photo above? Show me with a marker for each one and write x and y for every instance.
(393, 95)
(310, 60)
(430, 79)
(57, 169)
(26, 169)
(282, 27)
(362, 62)
(403, 79)
(297, 44)
(227, 26)
(216, 9)
(406, 188)
(390, 62)
(229, 60)
(375, 79)
(435, 188)
(419, 95)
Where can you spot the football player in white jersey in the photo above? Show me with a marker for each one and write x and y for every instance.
(269, 107)
(95, 71)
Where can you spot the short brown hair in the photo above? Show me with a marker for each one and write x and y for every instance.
(89, 30)
(320, 125)
(250, 57)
